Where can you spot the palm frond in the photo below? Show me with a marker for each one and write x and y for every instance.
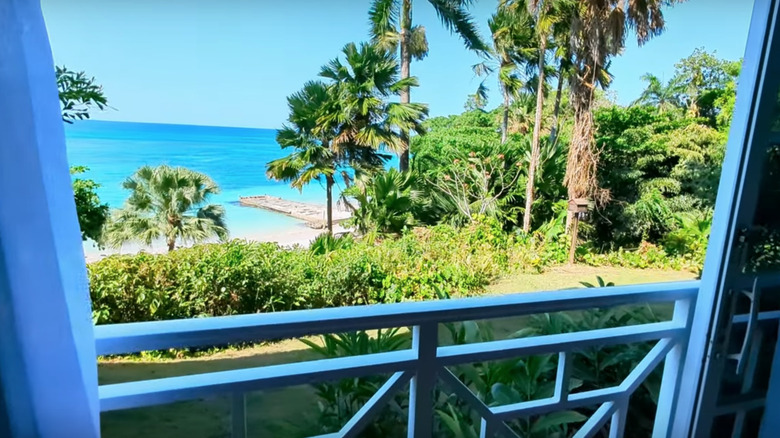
(383, 18)
(455, 17)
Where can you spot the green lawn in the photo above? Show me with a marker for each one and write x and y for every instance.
(564, 277)
(291, 412)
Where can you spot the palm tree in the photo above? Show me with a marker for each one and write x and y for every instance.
(513, 47)
(360, 110)
(392, 28)
(170, 203)
(547, 14)
(665, 97)
(521, 113)
(345, 122)
(599, 29)
(564, 66)
(312, 159)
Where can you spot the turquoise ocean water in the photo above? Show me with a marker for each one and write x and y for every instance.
(234, 157)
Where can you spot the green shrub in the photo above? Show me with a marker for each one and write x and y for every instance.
(500, 382)
(647, 256)
(239, 277)
(341, 400)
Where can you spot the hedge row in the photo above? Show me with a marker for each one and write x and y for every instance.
(240, 277)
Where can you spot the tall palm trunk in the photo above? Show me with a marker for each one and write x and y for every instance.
(535, 146)
(582, 160)
(171, 244)
(557, 106)
(505, 116)
(329, 203)
(406, 61)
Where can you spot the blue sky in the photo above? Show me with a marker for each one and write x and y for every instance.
(233, 62)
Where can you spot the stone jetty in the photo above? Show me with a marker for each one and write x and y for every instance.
(314, 214)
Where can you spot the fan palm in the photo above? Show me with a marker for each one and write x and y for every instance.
(511, 56)
(599, 30)
(312, 158)
(363, 118)
(392, 29)
(665, 97)
(170, 203)
(346, 122)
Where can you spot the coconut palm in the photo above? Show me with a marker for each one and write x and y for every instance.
(169, 203)
(363, 116)
(346, 122)
(665, 97)
(312, 158)
(599, 29)
(511, 57)
(392, 29)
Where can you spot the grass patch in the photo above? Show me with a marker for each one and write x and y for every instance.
(567, 277)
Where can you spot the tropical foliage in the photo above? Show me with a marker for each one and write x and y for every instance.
(240, 277)
(92, 213)
(78, 94)
(479, 195)
(168, 203)
(345, 123)
(392, 29)
(598, 32)
(500, 382)
(510, 59)
(386, 203)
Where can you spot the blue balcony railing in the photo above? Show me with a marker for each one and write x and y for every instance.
(425, 362)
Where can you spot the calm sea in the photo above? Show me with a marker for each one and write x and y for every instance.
(234, 157)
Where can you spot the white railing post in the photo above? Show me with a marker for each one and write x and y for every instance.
(562, 377)
(618, 425)
(238, 415)
(424, 342)
(672, 375)
(487, 429)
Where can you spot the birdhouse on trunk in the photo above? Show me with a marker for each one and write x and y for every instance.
(579, 207)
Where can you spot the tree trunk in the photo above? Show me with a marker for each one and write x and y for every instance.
(573, 243)
(329, 203)
(406, 60)
(557, 106)
(535, 146)
(171, 244)
(582, 161)
(505, 118)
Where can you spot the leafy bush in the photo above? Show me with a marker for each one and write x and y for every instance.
(691, 238)
(385, 203)
(340, 401)
(647, 256)
(91, 212)
(326, 243)
(502, 382)
(240, 277)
